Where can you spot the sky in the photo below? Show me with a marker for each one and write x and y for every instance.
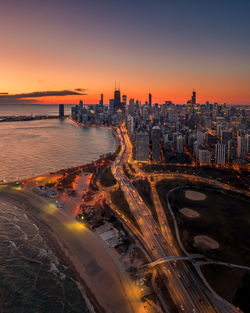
(166, 47)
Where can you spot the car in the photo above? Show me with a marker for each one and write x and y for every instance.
(201, 301)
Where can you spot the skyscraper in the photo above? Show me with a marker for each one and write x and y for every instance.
(203, 156)
(117, 99)
(194, 98)
(150, 99)
(180, 144)
(220, 154)
(101, 100)
(111, 106)
(156, 144)
(61, 110)
(241, 146)
(131, 106)
(124, 103)
(124, 99)
(142, 145)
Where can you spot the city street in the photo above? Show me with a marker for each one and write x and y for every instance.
(187, 291)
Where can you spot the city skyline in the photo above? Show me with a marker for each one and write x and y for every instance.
(167, 49)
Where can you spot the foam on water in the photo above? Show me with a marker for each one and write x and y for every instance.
(32, 278)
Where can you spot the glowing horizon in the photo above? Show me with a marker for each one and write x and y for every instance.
(168, 48)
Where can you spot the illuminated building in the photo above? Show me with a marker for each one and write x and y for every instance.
(156, 147)
(117, 100)
(146, 112)
(226, 135)
(220, 154)
(180, 144)
(131, 106)
(203, 156)
(241, 146)
(111, 106)
(142, 146)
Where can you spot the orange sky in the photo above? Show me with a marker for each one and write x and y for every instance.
(170, 49)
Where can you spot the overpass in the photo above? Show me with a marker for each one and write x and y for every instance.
(175, 258)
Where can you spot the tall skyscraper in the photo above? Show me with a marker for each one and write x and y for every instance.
(61, 110)
(131, 106)
(156, 144)
(124, 99)
(220, 154)
(180, 144)
(194, 98)
(124, 103)
(241, 146)
(101, 100)
(226, 135)
(150, 99)
(142, 146)
(111, 106)
(146, 112)
(117, 99)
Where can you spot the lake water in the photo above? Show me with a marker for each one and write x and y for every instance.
(32, 278)
(36, 147)
(32, 109)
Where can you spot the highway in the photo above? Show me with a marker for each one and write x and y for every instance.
(186, 290)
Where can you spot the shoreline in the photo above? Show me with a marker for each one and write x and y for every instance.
(53, 241)
(76, 167)
(57, 248)
(82, 251)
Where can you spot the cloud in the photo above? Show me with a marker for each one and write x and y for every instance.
(80, 89)
(21, 97)
(39, 94)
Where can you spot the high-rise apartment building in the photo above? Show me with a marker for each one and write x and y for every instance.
(226, 135)
(142, 146)
(131, 106)
(156, 143)
(111, 106)
(180, 144)
(220, 154)
(241, 146)
(203, 156)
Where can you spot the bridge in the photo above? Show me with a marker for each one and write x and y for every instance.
(197, 259)
(175, 258)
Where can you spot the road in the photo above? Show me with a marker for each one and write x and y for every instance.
(186, 290)
(90, 256)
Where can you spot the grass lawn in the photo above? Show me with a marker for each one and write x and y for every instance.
(107, 179)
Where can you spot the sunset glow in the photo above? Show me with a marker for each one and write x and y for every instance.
(58, 45)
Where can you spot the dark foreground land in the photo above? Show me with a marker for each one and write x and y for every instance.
(224, 217)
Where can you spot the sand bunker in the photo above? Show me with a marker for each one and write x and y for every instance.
(189, 213)
(195, 195)
(205, 243)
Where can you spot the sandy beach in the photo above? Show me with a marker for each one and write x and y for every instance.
(105, 282)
